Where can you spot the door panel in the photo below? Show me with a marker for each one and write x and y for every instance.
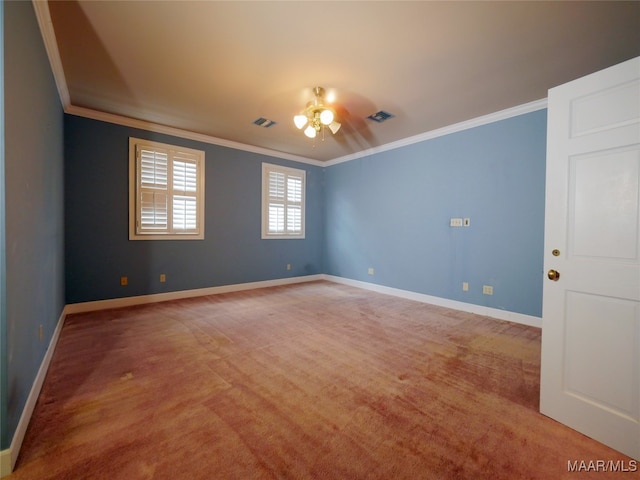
(606, 380)
(603, 210)
(604, 109)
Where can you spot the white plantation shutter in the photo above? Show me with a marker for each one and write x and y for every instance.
(294, 204)
(283, 202)
(184, 213)
(276, 218)
(294, 219)
(294, 188)
(185, 174)
(276, 185)
(153, 166)
(168, 201)
(154, 210)
(185, 188)
(276, 202)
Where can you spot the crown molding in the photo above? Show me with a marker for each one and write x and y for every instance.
(440, 132)
(457, 127)
(43, 15)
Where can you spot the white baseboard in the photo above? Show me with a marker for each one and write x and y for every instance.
(9, 456)
(163, 297)
(420, 297)
(442, 302)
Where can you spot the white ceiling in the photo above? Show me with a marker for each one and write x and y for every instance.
(212, 68)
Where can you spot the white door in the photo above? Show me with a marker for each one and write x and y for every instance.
(590, 372)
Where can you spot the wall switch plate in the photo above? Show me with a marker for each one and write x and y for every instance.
(455, 222)
(288, 266)
(370, 271)
(467, 222)
(487, 290)
(465, 287)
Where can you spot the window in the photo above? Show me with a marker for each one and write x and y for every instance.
(283, 191)
(166, 192)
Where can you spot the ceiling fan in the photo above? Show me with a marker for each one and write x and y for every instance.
(316, 116)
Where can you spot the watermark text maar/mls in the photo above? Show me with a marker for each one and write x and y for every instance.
(623, 466)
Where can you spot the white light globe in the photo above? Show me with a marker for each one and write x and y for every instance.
(326, 117)
(300, 121)
(310, 131)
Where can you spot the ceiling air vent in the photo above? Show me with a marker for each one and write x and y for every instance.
(380, 116)
(264, 122)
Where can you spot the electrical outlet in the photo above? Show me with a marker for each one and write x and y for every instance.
(370, 271)
(465, 287)
(124, 281)
(487, 290)
(288, 266)
(163, 278)
(467, 222)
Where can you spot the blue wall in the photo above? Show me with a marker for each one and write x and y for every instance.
(98, 251)
(391, 211)
(34, 248)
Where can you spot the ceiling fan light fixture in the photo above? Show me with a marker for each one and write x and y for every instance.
(316, 116)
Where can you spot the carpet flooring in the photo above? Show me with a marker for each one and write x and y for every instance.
(307, 381)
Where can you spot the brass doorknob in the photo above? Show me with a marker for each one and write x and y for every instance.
(553, 275)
